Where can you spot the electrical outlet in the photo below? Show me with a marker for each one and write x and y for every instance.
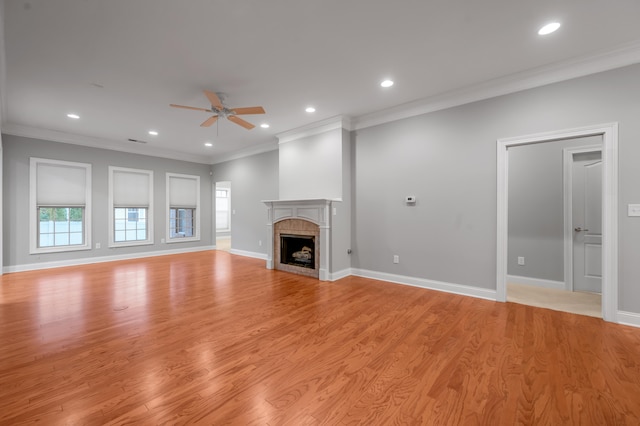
(520, 260)
(260, 243)
(162, 240)
(396, 258)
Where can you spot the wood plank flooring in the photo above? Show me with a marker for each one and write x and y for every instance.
(213, 338)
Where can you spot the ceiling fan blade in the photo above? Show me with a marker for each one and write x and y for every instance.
(248, 110)
(214, 99)
(209, 121)
(190, 107)
(239, 121)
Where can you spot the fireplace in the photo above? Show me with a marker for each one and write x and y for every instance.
(298, 250)
(299, 236)
(296, 247)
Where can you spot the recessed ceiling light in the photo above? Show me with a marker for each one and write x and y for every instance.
(549, 28)
(310, 109)
(208, 144)
(387, 83)
(74, 116)
(153, 133)
(264, 125)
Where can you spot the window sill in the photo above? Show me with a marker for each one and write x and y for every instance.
(59, 249)
(130, 244)
(182, 239)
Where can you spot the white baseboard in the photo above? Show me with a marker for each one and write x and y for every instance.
(100, 259)
(245, 253)
(464, 290)
(629, 318)
(335, 276)
(515, 279)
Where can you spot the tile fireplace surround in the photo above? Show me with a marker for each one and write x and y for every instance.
(316, 211)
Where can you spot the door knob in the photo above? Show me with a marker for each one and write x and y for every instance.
(579, 229)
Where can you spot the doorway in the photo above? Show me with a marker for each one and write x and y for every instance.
(609, 183)
(223, 215)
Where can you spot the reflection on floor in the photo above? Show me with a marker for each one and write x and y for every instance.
(223, 243)
(559, 300)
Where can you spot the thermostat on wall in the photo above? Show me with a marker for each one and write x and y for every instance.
(410, 199)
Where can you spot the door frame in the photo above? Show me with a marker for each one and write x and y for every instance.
(609, 133)
(567, 167)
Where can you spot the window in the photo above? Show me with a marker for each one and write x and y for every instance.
(223, 221)
(181, 222)
(183, 207)
(60, 205)
(130, 224)
(130, 207)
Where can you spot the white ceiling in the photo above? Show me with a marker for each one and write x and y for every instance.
(120, 63)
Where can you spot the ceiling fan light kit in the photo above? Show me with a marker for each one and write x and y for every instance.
(219, 110)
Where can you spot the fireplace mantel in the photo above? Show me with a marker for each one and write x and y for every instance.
(317, 211)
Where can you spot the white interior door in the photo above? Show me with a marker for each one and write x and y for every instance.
(587, 221)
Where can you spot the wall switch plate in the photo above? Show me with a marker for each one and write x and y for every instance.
(520, 260)
(260, 242)
(634, 210)
(162, 240)
(396, 258)
(97, 245)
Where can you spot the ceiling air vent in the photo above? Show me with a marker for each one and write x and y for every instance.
(136, 141)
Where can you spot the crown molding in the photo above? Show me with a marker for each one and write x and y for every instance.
(338, 122)
(102, 143)
(247, 152)
(624, 55)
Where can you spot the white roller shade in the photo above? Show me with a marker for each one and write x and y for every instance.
(131, 188)
(183, 191)
(61, 185)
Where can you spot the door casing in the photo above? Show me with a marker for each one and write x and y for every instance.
(609, 133)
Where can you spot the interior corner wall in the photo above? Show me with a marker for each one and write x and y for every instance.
(342, 220)
(253, 179)
(311, 167)
(17, 151)
(447, 159)
(536, 208)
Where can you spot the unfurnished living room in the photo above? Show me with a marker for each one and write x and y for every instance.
(320, 212)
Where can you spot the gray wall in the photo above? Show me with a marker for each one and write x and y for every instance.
(253, 179)
(448, 160)
(18, 150)
(536, 208)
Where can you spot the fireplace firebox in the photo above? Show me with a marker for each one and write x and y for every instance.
(297, 250)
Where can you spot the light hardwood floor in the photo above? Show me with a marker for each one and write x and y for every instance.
(213, 338)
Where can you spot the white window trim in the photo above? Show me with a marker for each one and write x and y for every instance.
(149, 240)
(33, 207)
(196, 237)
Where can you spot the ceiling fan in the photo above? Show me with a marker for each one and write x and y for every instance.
(219, 110)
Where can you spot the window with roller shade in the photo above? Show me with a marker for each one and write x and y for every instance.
(130, 207)
(60, 205)
(183, 207)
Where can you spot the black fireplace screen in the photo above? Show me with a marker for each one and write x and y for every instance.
(298, 250)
